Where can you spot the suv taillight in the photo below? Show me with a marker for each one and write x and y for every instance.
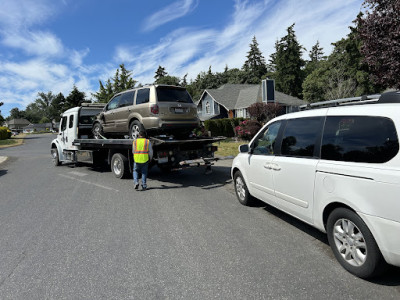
(154, 109)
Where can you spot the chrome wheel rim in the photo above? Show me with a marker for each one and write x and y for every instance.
(96, 131)
(350, 242)
(240, 188)
(135, 132)
(117, 168)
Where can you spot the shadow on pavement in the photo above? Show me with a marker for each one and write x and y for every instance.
(3, 172)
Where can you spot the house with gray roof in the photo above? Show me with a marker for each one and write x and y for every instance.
(232, 100)
(17, 124)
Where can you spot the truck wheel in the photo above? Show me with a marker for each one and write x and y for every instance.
(55, 156)
(241, 190)
(134, 129)
(353, 244)
(97, 131)
(119, 165)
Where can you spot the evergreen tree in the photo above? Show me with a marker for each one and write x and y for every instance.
(169, 80)
(56, 107)
(254, 67)
(121, 81)
(75, 98)
(160, 73)
(288, 63)
(15, 113)
(316, 55)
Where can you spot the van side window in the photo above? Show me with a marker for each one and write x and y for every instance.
(265, 141)
(71, 121)
(142, 96)
(63, 123)
(300, 136)
(126, 99)
(359, 139)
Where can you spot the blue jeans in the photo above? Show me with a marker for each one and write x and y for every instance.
(140, 168)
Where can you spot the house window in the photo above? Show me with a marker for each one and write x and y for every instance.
(208, 108)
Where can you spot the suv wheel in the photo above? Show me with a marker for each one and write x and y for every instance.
(97, 131)
(134, 129)
(353, 244)
(241, 190)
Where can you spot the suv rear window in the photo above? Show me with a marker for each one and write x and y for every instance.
(168, 94)
(359, 139)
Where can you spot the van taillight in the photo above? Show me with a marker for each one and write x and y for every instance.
(154, 109)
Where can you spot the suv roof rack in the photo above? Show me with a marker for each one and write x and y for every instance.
(389, 97)
(99, 105)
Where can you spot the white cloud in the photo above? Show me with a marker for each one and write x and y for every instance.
(171, 12)
(34, 43)
(77, 57)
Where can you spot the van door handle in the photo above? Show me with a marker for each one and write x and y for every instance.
(268, 166)
(275, 167)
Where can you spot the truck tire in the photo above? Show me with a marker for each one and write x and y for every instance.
(134, 129)
(119, 165)
(56, 158)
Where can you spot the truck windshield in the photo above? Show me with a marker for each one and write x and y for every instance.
(173, 94)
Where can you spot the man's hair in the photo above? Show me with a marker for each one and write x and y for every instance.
(142, 133)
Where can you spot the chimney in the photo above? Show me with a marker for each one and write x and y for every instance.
(268, 90)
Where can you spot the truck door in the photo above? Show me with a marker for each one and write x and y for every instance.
(67, 131)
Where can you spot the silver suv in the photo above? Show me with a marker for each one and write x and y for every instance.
(155, 109)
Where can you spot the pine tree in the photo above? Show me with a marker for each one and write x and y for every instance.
(254, 67)
(121, 81)
(287, 59)
(160, 73)
(75, 98)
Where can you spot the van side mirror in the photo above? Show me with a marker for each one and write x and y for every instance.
(244, 148)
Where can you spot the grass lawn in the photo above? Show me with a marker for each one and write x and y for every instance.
(228, 147)
(14, 141)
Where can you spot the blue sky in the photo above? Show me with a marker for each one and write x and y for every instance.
(50, 45)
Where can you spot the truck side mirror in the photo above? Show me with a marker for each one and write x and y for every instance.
(244, 148)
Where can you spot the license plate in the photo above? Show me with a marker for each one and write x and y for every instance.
(179, 110)
(163, 160)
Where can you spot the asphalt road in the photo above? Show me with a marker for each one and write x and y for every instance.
(79, 233)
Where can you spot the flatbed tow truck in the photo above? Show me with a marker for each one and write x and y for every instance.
(74, 144)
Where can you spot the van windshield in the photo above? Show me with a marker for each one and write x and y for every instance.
(173, 94)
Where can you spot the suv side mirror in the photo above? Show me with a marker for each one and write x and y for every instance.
(244, 148)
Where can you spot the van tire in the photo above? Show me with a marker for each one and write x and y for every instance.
(119, 165)
(135, 128)
(353, 244)
(241, 190)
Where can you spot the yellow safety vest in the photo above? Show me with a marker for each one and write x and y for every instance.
(141, 153)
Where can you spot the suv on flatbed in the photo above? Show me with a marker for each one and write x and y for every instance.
(154, 108)
(337, 169)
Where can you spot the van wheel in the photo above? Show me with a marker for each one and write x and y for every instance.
(353, 244)
(135, 128)
(97, 131)
(55, 156)
(119, 165)
(242, 193)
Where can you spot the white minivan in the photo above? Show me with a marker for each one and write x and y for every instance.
(337, 169)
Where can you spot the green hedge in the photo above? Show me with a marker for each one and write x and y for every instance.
(223, 127)
(5, 133)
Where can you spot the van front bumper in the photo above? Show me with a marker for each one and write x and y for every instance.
(386, 233)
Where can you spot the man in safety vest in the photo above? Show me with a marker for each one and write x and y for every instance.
(142, 155)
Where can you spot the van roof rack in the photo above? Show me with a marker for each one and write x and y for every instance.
(339, 102)
(389, 97)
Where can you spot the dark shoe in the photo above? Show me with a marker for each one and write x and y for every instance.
(136, 186)
(144, 188)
